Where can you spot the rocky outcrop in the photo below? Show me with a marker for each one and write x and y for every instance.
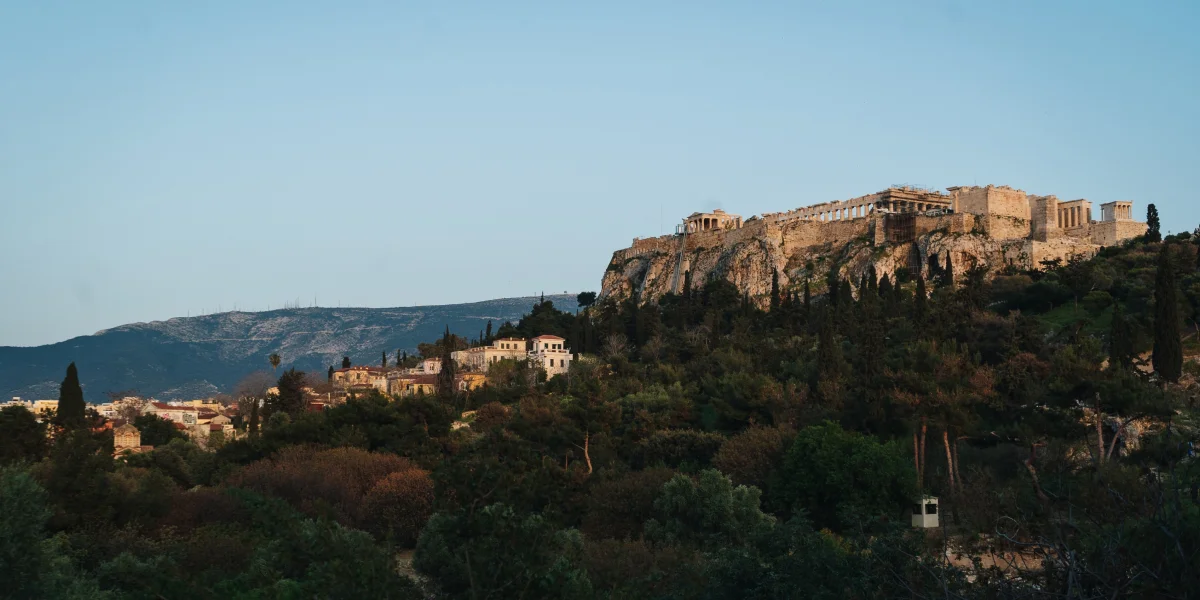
(749, 256)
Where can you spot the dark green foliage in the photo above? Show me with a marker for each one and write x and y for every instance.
(156, 431)
(1168, 349)
(586, 299)
(22, 437)
(291, 397)
(70, 401)
(840, 477)
(497, 552)
(1153, 227)
(445, 376)
(707, 512)
(1120, 340)
(32, 563)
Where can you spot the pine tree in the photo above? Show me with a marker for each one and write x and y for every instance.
(1120, 340)
(1168, 348)
(71, 406)
(1153, 227)
(775, 290)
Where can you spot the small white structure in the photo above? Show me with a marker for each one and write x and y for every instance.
(925, 513)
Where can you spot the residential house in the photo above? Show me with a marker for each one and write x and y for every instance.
(551, 354)
(480, 358)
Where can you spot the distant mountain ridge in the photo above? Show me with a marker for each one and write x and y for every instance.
(194, 357)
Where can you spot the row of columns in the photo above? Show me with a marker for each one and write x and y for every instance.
(1072, 216)
(843, 214)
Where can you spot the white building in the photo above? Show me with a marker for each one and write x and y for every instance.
(925, 513)
(179, 414)
(551, 354)
(431, 366)
(481, 357)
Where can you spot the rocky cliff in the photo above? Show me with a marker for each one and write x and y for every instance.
(748, 256)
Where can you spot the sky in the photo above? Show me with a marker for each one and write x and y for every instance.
(160, 159)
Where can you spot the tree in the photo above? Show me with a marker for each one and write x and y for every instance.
(330, 376)
(345, 362)
(32, 563)
(383, 361)
(839, 476)
(774, 290)
(496, 552)
(487, 333)
(274, 359)
(1168, 347)
(291, 397)
(445, 376)
(1120, 340)
(22, 436)
(1153, 227)
(71, 406)
(708, 512)
(251, 392)
(156, 431)
(920, 300)
(397, 507)
(586, 299)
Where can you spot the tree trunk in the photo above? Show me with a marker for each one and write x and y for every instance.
(1099, 431)
(921, 473)
(586, 438)
(949, 457)
(1037, 486)
(957, 474)
(917, 457)
(1113, 444)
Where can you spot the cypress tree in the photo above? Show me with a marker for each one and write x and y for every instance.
(1168, 348)
(383, 362)
(774, 290)
(833, 283)
(330, 373)
(71, 406)
(807, 296)
(948, 273)
(1120, 340)
(920, 300)
(487, 333)
(345, 362)
(445, 377)
(1153, 227)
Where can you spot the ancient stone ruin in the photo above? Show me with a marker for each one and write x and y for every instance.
(901, 227)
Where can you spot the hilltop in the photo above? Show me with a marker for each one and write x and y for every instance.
(193, 357)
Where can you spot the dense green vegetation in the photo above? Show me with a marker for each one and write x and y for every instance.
(701, 448)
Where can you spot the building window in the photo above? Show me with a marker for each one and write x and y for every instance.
(931, 509)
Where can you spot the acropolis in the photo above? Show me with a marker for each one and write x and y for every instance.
(906, 226)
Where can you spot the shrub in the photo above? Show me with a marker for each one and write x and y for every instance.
(618, 507)
(749, 457)
(398, 506)
(678, 446)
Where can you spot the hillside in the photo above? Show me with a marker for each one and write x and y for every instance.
(191, 357)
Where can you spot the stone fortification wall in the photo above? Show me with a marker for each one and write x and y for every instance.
(991, 226)
(1111, 233)
(1044, 217)
(805, 234)
(991, 200)
(1004, 227)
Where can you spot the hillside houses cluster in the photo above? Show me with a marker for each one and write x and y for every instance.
(547, 352)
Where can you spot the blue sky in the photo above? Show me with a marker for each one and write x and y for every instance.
(159, 159)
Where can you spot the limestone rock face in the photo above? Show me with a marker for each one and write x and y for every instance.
(648, 270)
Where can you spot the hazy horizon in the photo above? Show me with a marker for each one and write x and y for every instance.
(159, 160)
